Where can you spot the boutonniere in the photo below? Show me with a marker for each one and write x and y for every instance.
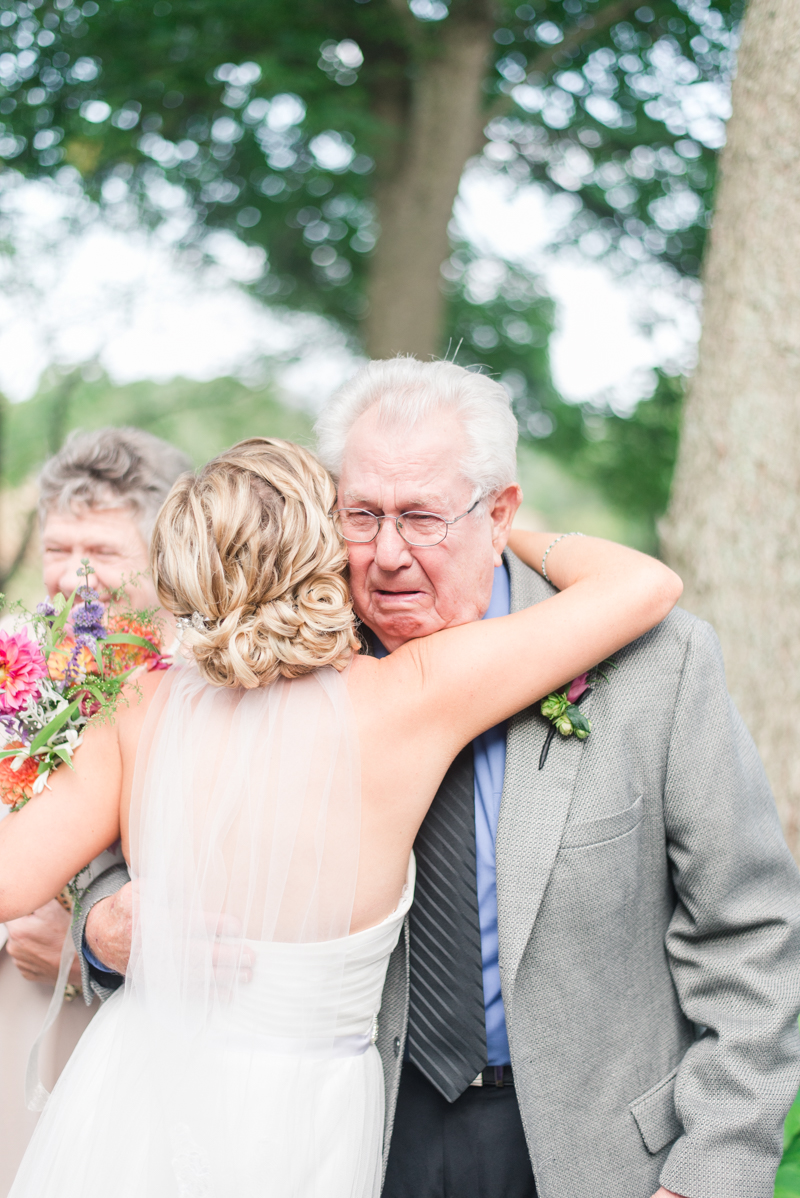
(561, 709)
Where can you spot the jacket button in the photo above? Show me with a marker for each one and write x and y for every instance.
(396, 1046)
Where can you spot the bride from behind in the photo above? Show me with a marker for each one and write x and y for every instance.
(267, 796)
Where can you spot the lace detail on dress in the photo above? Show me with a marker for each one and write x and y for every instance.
(190, 1164)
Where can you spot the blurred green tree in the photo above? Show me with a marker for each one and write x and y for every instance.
(628, 459)
(334, 133)
(787, 1183)
(202, 418)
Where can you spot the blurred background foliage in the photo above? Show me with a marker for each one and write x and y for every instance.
(281, 121)
(787, 1182)
(201, 418)
(294, 126)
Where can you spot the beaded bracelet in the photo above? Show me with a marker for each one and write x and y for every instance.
(552, 545)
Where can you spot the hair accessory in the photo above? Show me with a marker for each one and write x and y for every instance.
(195, 620)
(551, 546)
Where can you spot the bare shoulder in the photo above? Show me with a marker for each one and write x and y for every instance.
(132, 711)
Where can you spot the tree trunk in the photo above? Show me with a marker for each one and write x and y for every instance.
(437, 129)
(733, 528)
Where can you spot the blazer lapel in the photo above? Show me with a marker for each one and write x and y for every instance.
(533, 808)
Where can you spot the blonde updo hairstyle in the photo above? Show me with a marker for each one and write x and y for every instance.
(246, 553)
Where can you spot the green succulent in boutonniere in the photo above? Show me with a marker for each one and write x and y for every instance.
(561, 709)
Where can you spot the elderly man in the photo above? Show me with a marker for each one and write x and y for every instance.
(597, 991)
(99, 497)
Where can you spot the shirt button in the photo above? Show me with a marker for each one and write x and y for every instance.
(396, 1046)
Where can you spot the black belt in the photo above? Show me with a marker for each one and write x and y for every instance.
(494, 1075)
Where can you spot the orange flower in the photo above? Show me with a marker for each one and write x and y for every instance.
(126, 657)
(60, 658)
(16, 786)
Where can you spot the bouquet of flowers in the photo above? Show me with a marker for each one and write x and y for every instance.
(65, 667)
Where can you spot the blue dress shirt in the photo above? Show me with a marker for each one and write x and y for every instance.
(98, 966)
(489, 751)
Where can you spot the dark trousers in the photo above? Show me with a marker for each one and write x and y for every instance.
(471, 1148)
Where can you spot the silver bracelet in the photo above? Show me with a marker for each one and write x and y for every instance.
(552, 544)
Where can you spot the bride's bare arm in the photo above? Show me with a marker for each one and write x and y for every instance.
(459, 682)
(62, 829)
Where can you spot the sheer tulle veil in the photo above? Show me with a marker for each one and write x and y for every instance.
(245, 823)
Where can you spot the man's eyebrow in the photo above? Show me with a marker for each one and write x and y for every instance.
(430, 503)
(356, 500)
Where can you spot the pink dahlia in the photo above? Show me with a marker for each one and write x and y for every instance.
(21, 667)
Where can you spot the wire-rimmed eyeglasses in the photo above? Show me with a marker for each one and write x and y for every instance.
(421, 529)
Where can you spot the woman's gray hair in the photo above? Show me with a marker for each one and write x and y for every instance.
(112, 468)
(408, 391)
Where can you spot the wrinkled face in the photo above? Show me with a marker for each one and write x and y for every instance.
(402, 591)
(112, 541)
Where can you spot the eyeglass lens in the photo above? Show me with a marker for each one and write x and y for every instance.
(417, 528)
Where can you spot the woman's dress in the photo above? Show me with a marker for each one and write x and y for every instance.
(303, 1123)
(239, 1058)
(23, 1007)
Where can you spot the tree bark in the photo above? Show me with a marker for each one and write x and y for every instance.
(733, 528)
(437, 128)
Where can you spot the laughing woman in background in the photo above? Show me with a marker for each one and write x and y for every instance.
(99, 497)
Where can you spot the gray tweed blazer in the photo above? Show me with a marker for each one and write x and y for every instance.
(649, 921)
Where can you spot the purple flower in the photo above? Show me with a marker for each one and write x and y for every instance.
(15, 728)
(46, 609)
(75, 667)
(87, 621)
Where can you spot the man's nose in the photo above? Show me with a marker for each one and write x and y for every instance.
(391, 551)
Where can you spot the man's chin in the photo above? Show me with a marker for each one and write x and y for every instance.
(394, 629)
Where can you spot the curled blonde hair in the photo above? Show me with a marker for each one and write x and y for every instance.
(248, 544)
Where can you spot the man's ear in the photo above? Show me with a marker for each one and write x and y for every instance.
(502, 510)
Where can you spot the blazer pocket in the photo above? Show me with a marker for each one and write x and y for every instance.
(609, 827)
(655, 1114)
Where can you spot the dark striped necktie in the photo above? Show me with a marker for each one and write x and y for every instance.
(446, 1020)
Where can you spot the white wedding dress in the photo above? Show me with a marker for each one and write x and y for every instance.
(239, 1059)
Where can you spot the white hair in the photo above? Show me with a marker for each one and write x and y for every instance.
(408, 391)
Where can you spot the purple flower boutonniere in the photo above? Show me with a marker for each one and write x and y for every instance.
(561, 709)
